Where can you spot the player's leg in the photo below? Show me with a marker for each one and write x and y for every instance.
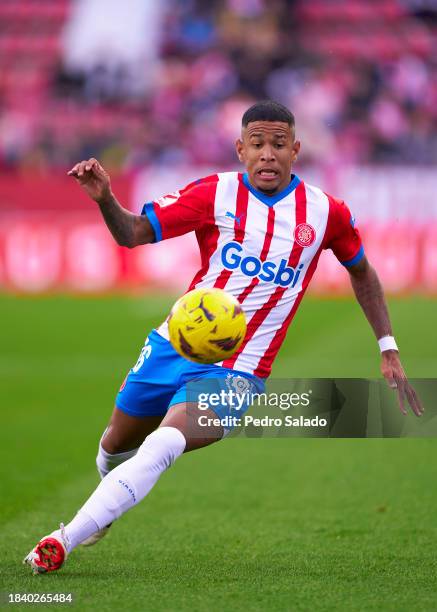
(120, 442)
(185, 418)
(145, 394)
(183, 429)
(122, 438)
(126, 485)
(140, 405)
(125, 434)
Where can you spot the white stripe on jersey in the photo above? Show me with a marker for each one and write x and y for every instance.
(255, 231)
(225, 201)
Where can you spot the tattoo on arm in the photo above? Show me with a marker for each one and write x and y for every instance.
(128, 229)
(370, 295)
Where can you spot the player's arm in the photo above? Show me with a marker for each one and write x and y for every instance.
(370, 295)
(128, 229)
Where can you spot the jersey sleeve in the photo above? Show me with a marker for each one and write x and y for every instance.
(183, 211)
(342, 236)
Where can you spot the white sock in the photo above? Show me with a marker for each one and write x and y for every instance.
(106, 461)
(127, 484)
(79, 529)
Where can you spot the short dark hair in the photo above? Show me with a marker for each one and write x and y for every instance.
(268, 110)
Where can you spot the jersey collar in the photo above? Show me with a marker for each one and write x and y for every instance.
(271, 200)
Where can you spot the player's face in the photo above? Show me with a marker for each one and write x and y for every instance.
(268, 150)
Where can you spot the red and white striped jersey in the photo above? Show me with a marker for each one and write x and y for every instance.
(262, 249)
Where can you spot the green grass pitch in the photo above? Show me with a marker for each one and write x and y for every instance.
(247, 524)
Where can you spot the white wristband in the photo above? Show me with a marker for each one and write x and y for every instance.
(387, 343)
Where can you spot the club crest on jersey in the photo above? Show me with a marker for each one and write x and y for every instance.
(237, 384)
(304, 234)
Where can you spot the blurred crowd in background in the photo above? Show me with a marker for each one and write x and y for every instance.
(166, 82)
(156, 90)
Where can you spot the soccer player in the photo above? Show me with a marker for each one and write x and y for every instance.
(260, 236)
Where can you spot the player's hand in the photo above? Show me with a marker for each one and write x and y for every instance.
(93, 178)
(396, 378)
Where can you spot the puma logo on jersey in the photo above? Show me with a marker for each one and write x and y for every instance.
(232, 216)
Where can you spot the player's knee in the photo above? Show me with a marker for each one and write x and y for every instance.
(113, 443)
(110, 446)
(108, 460)
(161, 448)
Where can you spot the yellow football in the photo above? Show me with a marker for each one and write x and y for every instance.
(207, 325)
